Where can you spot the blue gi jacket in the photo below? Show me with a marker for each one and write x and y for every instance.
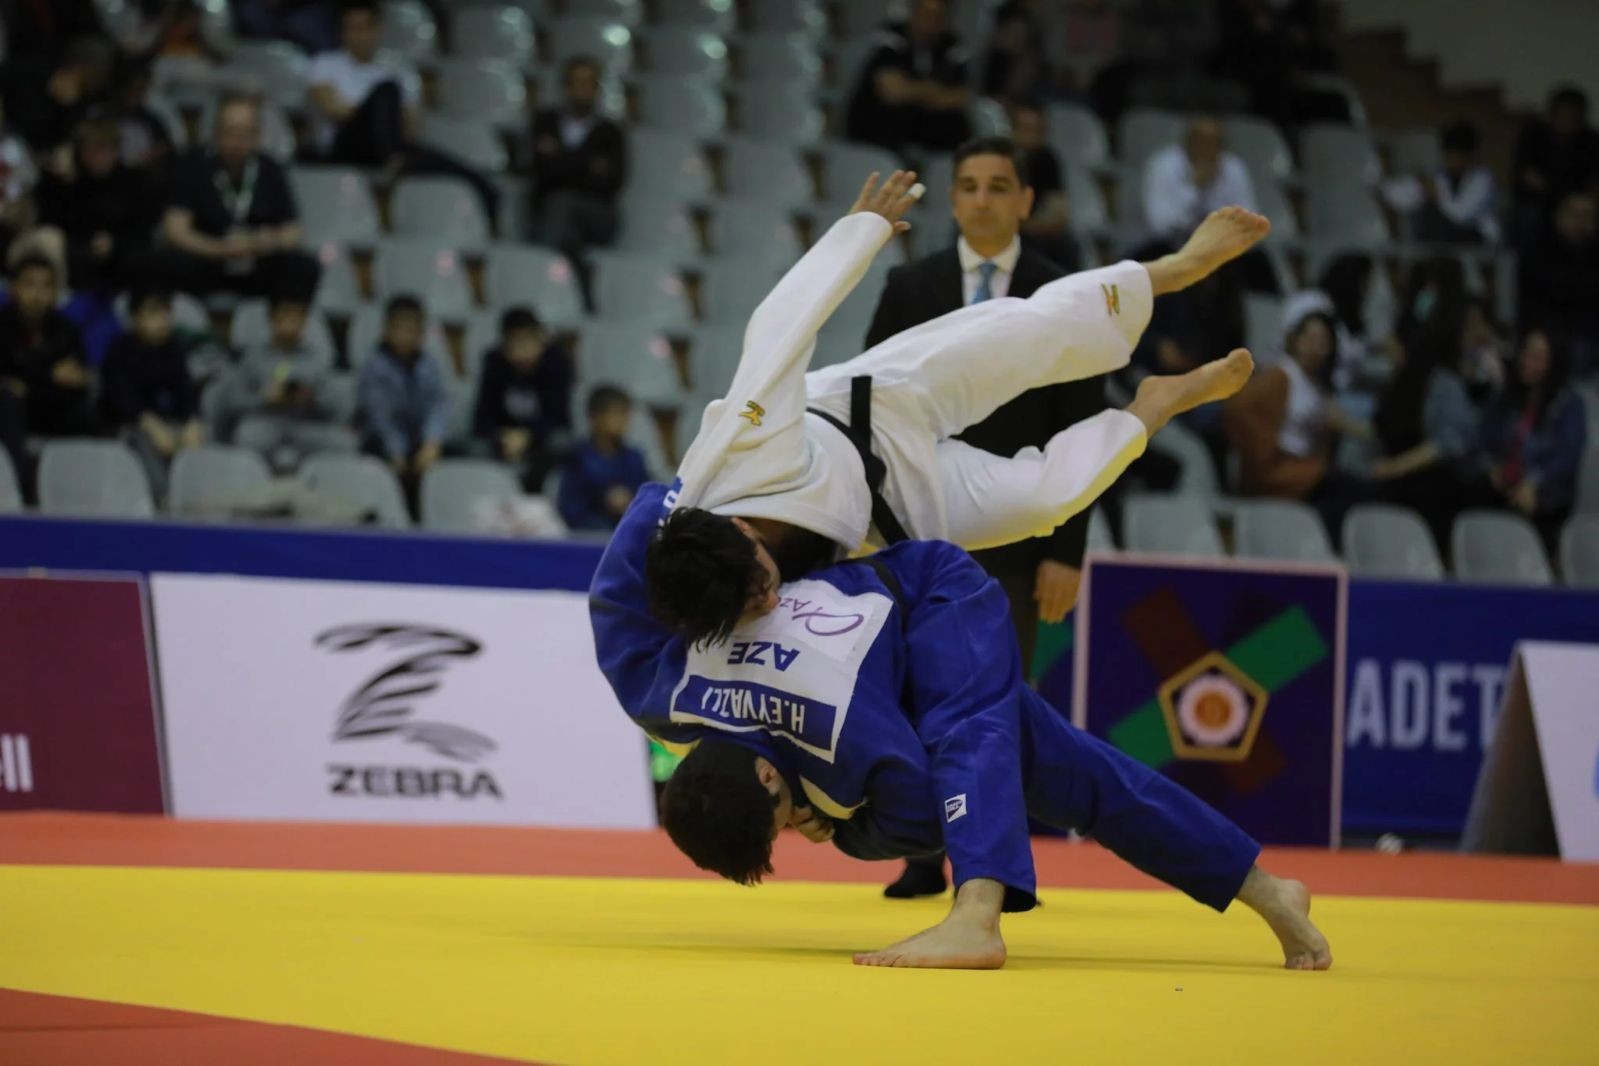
(903, 721)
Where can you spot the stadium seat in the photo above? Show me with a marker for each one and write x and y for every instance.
(500, 32)
(441, 208)
(627, 12)
(846, 165)
(669, 164)
(783, 57)
(731, 288)
(201, 477)
(1495, 546)
(1579, 551)
(1284, 530)
(773, 173)
(1339, 155)
(336, 204)
(776, 111)
(1414, 151)
(609, 42)
(338, 293)
(366, 329)
(279, 68)
(430, 270)
(685, 51)
(538, 277)
(647, 290)
(360, 480)
(454, 488)
(252, 327)
(1099, 534)
(989, 118)
(93, 479)
(714, 357)
(1276, 206)
(483, 91)
(754, 230)
(1143, 131)
(654, 226)
(787, 16)
(10, 488)
(1089, 214)
(409, 30)
(1263, 322)
(1384, 541)
(718, 16)
(1261, 145)
(1170, 525)
(630, 355)
(1078, 136)
(473, 142)
(682, 105)
(1345, 211)
(863, 17)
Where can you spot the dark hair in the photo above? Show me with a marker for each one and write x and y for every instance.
(1435, 345)
(402, 304)
(518, 318)
(281, 297)
(1460, 137)
(578, 62)
(607, 398)
(1568, 96)
(1000, 146)
(718, 813)
(34, 261)
(371, 7)
(147, 293)
(1554, 381)
(699, 573)
(1332, 328)
(1344, 282)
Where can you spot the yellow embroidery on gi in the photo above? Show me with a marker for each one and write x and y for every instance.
(1113, 299)
(753, 411)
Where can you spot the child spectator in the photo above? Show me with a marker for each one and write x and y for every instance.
(404, 408)
(41, 354)
(149, 395)
(603, 472)
(284, 396)
(524, 398)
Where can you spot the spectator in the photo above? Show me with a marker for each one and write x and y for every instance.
(1560, 279)
(46, 29)
(231, 222)
(146, 140)
(403, 406)
(1185, 182)
(17, 179)
(366, 107)
(1090, 43)
(1363, 317)
(104, 209)
(1556, 155)
(913, 92)
(1532, 439)
(47, 100)
(524, 398)
(579, 165)
(283, 397)
(313, 25)
(604, 471)
(41, 354)
(1455, 204)
(149, 395)
(1047, 230)
(1017, 66)
(1427, 426)
(1282, 424)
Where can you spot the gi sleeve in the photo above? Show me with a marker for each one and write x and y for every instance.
(898, 821)
(964, 687)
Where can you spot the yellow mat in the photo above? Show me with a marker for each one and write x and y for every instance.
(623, 971)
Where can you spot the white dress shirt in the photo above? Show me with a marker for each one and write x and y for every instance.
(354, 80)
(999, 285)
(1174, 204)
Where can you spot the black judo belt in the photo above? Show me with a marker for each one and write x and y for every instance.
(859, 432)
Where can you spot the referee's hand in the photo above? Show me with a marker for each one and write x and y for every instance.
(890, 200)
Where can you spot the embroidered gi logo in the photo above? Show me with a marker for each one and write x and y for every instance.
(955, 807)
(1113, 299)
(753, 411)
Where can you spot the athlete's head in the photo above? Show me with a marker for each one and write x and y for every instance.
(723, 807)
(705, 573)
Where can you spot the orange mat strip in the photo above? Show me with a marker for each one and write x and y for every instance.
(64, 1031)
(142, 840)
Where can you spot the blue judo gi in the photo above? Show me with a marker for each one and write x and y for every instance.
(889, 694)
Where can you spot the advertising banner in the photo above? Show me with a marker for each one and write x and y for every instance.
(1227, 677)
(1427, 669)
(77, 710)
(321, 700)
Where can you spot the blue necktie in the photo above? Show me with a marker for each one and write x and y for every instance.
(985, 287)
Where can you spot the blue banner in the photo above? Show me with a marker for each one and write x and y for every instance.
(1426, 673)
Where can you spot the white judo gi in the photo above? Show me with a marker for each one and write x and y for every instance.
(759, 454)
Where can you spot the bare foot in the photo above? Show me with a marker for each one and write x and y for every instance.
(1285, 905)
(1226, 234)
(1162, 397)
(946, 946)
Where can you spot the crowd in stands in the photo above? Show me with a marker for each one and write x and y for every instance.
(139, 168)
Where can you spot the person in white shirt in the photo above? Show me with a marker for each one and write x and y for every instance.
(366, 107)
(1185, 182)
(775, 483)
(1459, 197)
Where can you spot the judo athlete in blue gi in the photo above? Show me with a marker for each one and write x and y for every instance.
(881, 705)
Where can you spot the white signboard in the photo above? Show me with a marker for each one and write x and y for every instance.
(351, 701)
(1562, 682)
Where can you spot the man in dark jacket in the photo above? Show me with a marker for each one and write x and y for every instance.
(913, 92)
(991, 199)
(579, 165)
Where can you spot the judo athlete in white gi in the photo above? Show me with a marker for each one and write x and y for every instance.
(774, 462)
(881, 705)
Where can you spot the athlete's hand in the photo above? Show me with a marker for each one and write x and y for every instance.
(1056, 589)
(890, 200)
(817, 828)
